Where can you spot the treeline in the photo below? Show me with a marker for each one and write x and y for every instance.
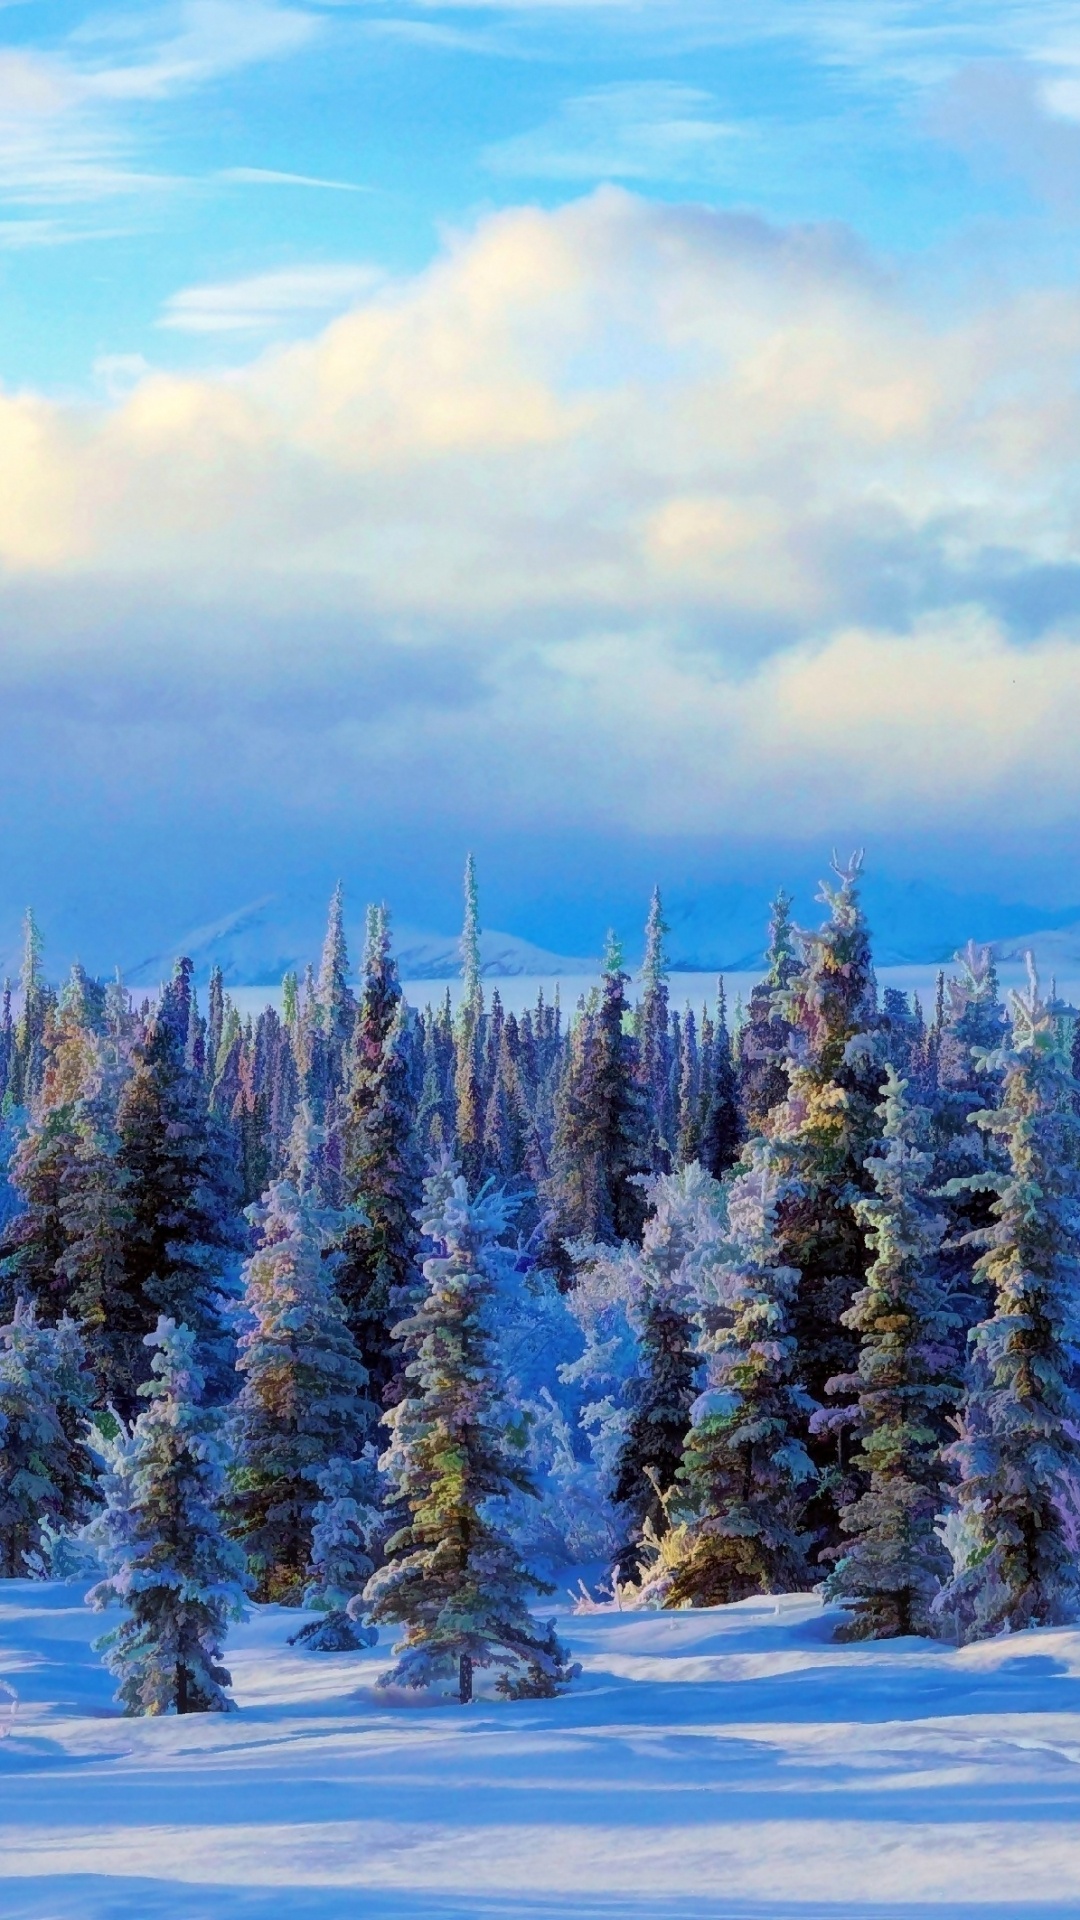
(376, 1310)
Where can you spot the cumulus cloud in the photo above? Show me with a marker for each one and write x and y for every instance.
(706, 521)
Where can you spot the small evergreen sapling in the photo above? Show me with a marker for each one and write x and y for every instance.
(905, 1381)
(1018, 1453)
(344, 1521)
(746, 1472)
(172, 1568)
(453, 1578)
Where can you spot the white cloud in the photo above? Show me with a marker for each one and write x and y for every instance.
(710, 518)
(270, 177)
(644, 130)
(263, 301)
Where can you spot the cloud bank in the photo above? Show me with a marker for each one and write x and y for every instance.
(621, 516)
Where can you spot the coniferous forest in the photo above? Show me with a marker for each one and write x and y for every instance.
(393, 1315)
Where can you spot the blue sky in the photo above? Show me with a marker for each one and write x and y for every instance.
(637, 441)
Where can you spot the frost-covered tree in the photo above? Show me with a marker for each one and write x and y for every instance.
(304, 1401)
(636, 1308)
(172, 1568)
(469, 1039)
(600, 1147)
(722, 1128)
(180, 1232)
(382, 1163)
(746, 1474)
(822, 1134)
(765, 1038)
(46, 1474)
(1018, 1455)
(453, 1578)
(969, 1030)
(905, 1381)
(654, 1052)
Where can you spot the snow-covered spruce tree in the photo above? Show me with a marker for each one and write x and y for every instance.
(304, 1401)
(172, 1568)
(895, 1561)
(766, 1037)
(453, 1578)
(600, 1147)
(180, 1234)
(469, 1039)
(822, 1134)
(345, 1522)
(970, 1029)
(746, 1475)
(46, 1473)
(382, 1171)
(654, 1043)
(636, 1307)
(1018, 1455)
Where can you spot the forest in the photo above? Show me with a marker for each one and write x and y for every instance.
(388, 1315)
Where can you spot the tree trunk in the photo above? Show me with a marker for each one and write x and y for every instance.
(465, 1679)
(181, 1690)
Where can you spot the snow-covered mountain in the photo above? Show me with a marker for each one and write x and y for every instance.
(258, 943)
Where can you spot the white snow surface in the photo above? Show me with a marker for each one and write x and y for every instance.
(735, 1764)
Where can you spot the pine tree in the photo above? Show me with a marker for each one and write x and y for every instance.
(722, 1130)
(304, 1399)
(904, 1382)
(600, 1148)
(1018, 1454)
(766, 1038)
(970, 1027)
(180, 1235)
(37, 998)
(453, 1579)
(382, 1173)
(468, 1040)
(654, 1042)
(823, 1134)
(46, 1475)
(171, 1566)
(334, 1000)
(746, 1474)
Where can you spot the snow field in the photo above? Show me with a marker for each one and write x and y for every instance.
(734, 1764)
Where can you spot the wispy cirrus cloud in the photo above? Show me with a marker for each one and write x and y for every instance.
(264, 302)
(642, 130)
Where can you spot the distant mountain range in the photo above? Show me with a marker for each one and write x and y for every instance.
(258, 943)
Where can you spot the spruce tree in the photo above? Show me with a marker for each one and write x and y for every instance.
(766, 1038)
(654, 1053)
(469, 1040)
(746, 1475)
(46, 1474)
(304, 1401)
(722, 1129)
(453, 1579)
(1018, 1455)
(600, 1148)
(178, 1576)
(382, 1172)
(180, 1234)
(823, 1134)
(904, 1383)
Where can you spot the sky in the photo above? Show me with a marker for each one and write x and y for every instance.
(638, 442)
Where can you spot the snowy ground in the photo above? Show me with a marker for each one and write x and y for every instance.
(733, 1765)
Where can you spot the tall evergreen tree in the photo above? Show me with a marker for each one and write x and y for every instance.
(766, 1038)
(600, 1147)
(722, 1129)
(453, 1580)
(469, 1037)
(1018, 1455)
(823, 1134)
(746, 1473)
(382, 1172)
(654, 1054)
(905, 1381)
(304, 1401)
(180, 1235)
(172, 1568)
